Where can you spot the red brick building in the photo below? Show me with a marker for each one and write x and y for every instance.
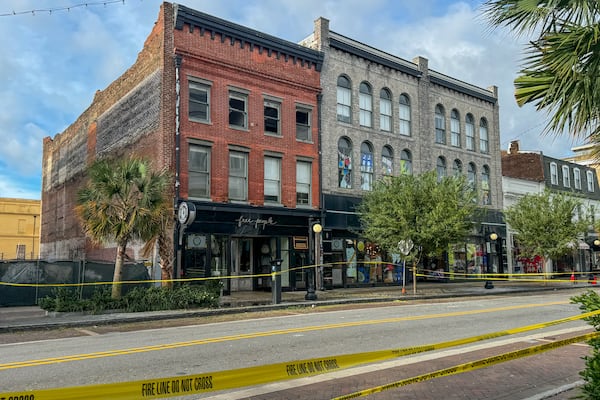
(234, 114)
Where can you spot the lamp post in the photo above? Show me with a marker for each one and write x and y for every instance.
(310, 291)
(493, 238)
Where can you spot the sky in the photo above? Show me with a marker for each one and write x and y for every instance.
(55, 54)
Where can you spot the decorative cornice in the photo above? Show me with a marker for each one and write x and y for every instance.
(234, 32)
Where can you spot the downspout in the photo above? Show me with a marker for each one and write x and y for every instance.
(177, 233)
(320, 185)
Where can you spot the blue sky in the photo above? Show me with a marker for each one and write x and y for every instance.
(52, 63)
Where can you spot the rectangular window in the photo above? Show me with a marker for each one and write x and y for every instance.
(440, 129)
(238, 176)
(238, 110)
(303, 183)
(553, 174)
(272, 180)
(199, 172)
(566, 176)
(577, 178)
(199, 104)
(344, 97)
(454, 132)
(590, 181)
(303, 131)
(366, 109)
(272, 121)
(470, 136)
(385, 115)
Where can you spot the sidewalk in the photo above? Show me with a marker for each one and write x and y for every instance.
(20, 318)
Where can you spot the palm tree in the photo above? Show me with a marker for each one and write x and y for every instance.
(561, 72)
(124, 200)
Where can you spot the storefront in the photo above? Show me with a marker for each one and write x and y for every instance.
(240, 244)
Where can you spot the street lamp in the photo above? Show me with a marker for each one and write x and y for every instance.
(493, 238)
(310, 291)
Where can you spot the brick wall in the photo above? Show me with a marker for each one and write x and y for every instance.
(225, 64)
(67, 154)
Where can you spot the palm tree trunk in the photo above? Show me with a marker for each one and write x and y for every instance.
(165, 252)
(118, 274)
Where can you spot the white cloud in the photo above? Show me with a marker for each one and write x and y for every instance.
(53, 64)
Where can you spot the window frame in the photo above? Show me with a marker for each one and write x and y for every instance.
(344, 99)
(404, 116)
(566, 175)
(387, 160)
(440, 124)
(200, 86)
(591, 186)
(455, 128)
(553, 173)
(243, 97)
(276, 105)
(472, 176)
(345, 163)
(366, 166)
(486, 196)
(206, 174)
(470, 132)
(484, 139)
(577, 178)
(276, 180)
(305, 127)
(365, 105)
(441, 168)
(243, 178)
(406, 162)
(385, 110)
(302, 184)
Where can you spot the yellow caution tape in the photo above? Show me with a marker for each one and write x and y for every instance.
(482, 363)
(236, 378)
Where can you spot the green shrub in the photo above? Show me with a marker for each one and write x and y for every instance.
(136, 300)
(590, 301)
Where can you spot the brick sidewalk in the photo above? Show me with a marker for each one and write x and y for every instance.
(523, 378)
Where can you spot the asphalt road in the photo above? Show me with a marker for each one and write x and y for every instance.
(100, 355)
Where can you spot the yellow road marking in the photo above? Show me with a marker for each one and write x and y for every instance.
(166, 346)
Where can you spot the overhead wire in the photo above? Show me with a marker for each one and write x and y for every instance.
(65, 8)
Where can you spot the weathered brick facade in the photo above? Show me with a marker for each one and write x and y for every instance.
(146, 111)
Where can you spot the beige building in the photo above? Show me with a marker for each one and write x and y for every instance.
(19, 229)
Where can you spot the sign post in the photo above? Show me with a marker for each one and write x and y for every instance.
(405, 246)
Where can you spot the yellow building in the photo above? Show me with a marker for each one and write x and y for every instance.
(19, 229)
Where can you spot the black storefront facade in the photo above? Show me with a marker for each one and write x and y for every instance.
(351, 260)
(239, 243)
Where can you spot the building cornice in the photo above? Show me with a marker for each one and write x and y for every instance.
(245, 36)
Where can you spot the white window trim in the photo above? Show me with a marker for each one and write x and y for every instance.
(553, 173)
(566, 172)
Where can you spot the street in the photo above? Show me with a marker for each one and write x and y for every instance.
(110, 357)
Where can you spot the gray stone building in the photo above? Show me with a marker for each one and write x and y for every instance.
(380, 115)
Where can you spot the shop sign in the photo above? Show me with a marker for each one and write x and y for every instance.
(255, 222)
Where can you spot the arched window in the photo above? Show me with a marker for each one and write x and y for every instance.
(387, 160)
(345, 163)
(365, 103)
(441, 168)
(470, 132)
(486, 197)
(472, 176)
(366, 166)
(484, 145)
(406, 162)
(404, 115)
(440, 125)
(457, 168)
(344, 100)
(455, 128)
(385, 110)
